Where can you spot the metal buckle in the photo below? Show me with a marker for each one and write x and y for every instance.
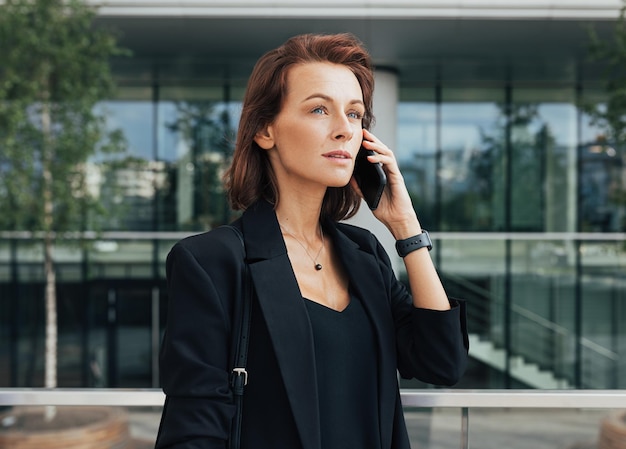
(241, 371)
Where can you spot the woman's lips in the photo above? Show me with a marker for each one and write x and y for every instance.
(338, 154)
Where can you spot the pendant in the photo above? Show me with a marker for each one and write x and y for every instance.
(318, 266)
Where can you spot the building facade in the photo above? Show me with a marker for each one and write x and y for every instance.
(481, 102)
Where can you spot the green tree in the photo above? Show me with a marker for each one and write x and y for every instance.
(611, 54)
(610, 116)
(54, 69)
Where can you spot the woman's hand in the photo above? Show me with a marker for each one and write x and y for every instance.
(395, 209)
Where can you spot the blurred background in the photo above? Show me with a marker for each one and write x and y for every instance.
(497, 112)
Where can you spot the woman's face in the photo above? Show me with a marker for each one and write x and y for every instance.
(314, 140)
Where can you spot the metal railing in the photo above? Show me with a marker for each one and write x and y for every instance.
(445, 398)
(463, 400)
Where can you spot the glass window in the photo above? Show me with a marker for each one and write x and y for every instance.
(474, 270)
(127, 189)
(196, 133)
(417, 151)
(6, 255)
(471, 172)
(71, 303)
(121, 259)
(603, 314)
(133, 362)
(543, 308)
(602, 180)
(543, 158)
(134, 119)
(101, 342)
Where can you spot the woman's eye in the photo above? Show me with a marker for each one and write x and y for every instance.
(355, 115)
(319, 110)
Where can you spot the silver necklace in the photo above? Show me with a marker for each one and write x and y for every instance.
(316, 264)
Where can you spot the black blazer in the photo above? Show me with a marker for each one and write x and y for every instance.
(205, 272)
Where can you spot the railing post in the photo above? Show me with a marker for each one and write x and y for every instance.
(465, 428)
(155, 335)
(508, 330)
(508, 208)
(112, 366)
(15, 314)
(615, 338)
(578, 319)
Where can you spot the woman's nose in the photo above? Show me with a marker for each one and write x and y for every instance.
(343, 129)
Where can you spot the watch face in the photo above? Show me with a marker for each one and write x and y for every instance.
(426, 236)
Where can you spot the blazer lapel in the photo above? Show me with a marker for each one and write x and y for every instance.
(368, 284)
(285, 314)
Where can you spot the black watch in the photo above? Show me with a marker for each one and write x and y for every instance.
(416, 242)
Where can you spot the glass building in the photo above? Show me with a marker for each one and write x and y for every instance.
(525, 199)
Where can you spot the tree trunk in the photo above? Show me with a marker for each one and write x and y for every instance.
(50, 377)
(50, 380)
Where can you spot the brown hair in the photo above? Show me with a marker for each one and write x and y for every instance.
(250, 176)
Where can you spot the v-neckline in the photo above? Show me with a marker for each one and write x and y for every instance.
(325, 307)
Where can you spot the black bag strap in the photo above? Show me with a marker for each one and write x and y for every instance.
(241, 332)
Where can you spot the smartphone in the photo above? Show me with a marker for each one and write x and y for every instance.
(370, 177)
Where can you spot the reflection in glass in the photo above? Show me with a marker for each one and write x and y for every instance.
(127, 185)
(603, 291)
(471, 172)
(474, 270)
(543, 158)
(543, 304)
(196, 140)
(602, 181)
(121, 259)
(416, 154)
(134, 118)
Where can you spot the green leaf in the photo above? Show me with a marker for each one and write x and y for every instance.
(54, 66)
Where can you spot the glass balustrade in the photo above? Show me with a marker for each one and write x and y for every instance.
(436, 419)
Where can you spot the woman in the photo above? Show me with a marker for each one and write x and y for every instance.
(331, 325)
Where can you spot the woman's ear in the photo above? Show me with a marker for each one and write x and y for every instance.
(264, 138)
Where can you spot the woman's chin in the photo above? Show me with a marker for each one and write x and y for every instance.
(339, 185)
(340, 181)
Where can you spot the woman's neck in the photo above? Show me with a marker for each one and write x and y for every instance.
(299, 216)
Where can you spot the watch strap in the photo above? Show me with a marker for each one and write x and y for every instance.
(414, 243)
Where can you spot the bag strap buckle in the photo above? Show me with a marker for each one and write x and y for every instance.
(239, 380)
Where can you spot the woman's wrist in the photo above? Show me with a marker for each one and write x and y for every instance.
(419, 241)
(404, 229)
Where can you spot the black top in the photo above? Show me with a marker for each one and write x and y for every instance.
(346, 367)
